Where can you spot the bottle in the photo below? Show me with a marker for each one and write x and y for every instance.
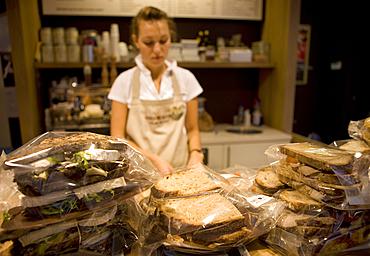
(206, 39)
(247, 118)
(257, 116)
(201, 46)
(104, 71)
(200, 38)
(87, 74)
(240, 114)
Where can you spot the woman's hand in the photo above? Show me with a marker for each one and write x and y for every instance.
(164, 166)
(195, 157)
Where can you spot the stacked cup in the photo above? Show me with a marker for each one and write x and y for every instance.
(60, 48)
(73, 47)
(47, 49)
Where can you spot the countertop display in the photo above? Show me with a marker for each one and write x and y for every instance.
(221, 135)
(228, 145)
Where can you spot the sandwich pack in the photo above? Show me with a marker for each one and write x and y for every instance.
(325, 191)
(66, 192)
(198, 211)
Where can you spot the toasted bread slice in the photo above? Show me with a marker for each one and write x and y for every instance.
(297, 201)
(266, 178)
(322, 158)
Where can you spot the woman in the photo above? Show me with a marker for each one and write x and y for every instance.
(155, 103)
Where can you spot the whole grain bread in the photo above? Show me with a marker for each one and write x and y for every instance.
(286, 177)
(211, 211)
(319, 157)
(327, 191)
(297, 201)
(268, 181)
(209, 237)
(291, 219)
(344, 179)
(356, 146)
(192, 181)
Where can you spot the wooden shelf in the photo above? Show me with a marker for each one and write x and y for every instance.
(204, 64)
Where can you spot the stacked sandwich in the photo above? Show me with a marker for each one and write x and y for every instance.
(201, 212)
(73, 185)
(325, 198)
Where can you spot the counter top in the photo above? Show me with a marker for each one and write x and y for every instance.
(219, 135)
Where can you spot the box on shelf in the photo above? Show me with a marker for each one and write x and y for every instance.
(237, 54)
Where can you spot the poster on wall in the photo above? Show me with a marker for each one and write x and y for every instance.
(303, 53)
(204, 9)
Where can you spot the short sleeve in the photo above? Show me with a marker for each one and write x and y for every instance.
(121, 88)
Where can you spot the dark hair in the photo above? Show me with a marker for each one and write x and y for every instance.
(151, 13)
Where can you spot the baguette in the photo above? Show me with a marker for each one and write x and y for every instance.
(322, 158)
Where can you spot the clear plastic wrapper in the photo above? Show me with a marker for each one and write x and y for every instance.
(105, 232)
(337, 178)
(352, 145)
(197, 211)
(63, 178)
(360, 130)
(326, 198)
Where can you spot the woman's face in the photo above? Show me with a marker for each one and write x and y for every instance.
(153, 41)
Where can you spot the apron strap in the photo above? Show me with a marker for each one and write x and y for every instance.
(136, 87)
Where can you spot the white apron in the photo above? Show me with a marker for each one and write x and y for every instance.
(158, 126)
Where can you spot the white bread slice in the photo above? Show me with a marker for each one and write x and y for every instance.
(266, 178)
(200, 212)
(297, 201)
(319, 157)
(187, 182)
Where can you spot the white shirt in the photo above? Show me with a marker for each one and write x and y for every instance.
(121, 90)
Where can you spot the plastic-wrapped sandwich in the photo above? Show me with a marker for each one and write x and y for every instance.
(327, 199)
(65, 179)
(199, 211)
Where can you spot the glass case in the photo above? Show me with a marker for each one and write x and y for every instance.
(78, 107)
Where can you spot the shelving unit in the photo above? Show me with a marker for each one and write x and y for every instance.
(205, 64)
(276, 80)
